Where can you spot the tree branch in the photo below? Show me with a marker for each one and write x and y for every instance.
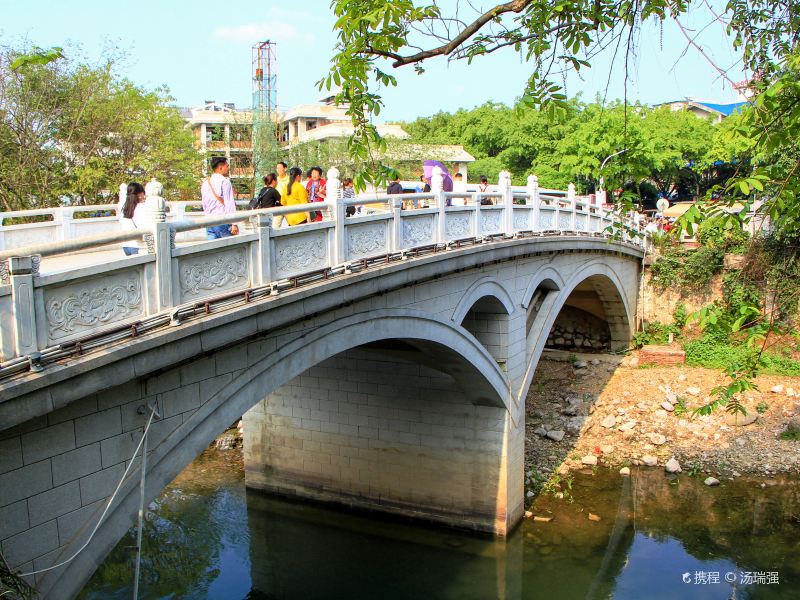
(516, 6)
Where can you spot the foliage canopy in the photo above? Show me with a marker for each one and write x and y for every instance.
(73, 131)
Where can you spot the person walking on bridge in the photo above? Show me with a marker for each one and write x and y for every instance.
(296, 194)
(217, 195)
(133, 216)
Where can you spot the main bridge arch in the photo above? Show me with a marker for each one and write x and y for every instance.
(437, 450)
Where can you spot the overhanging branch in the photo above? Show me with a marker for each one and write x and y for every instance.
(516, 6)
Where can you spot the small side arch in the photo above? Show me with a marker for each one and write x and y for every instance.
(611, 291)
(547, 278)
(485, 286)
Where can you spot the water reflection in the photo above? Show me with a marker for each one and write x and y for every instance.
(208, 538)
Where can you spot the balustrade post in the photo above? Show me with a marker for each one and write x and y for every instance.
(533, 199)
(122, 196)
(437, 187)
(262, 225)
(160, 241)
(177, 212)
(334, 195)
(64, 216)
(504, 187)
(396, 241)
(572, 206)
(22, 270)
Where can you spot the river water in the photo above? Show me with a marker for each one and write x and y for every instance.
(657, 537)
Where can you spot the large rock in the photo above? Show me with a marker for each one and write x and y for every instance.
(793, 426)
(693, 391)
(737, 419)
(667, 406)
(711, 481)
(589, 459)
(672, 466)
(650, 461)
(777, 389)
(574, 407)
(580, 364)
(627, 426)
(556, 436)
(625, 471)
(656, 439)
(573, 425)
(609, 421)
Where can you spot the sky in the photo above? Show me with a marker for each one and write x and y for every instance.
(202, 51)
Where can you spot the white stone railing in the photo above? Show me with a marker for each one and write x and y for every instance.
(70, 222)
(44, 314)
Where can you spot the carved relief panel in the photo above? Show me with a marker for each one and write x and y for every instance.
(522, 219)
(82, 306)
(366, 240)
(209, 274)
(417, 231)
(491, 221)
(301, 253)
(458, 225)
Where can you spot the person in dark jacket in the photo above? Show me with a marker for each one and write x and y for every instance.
(395, 187)
(268, 197)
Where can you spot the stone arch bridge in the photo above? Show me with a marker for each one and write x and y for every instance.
(381, 361)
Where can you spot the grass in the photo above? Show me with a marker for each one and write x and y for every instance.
(791, 435)
(718, 355)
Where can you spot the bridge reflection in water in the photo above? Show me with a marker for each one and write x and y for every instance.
(209, 538)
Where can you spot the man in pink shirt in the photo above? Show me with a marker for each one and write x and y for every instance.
(217, 195)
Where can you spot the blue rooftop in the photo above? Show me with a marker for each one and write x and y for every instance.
(725, 109)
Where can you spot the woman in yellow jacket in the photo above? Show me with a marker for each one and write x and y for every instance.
(296, 194)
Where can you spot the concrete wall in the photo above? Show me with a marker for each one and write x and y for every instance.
(365, 430)
(487, 320)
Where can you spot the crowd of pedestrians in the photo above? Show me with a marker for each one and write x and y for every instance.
(283, 187)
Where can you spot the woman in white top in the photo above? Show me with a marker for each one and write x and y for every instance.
(133, 216)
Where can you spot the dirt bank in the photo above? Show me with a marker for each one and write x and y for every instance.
(619, 415)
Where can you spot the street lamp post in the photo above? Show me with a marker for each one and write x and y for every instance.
(603, 164)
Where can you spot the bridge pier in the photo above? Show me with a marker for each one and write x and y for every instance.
(374, 428)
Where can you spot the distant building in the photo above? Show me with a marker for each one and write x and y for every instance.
(224, 130)
(322, 121)
(706, 110)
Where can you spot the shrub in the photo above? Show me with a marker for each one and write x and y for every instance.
(781, 365)
(680, 315)
(654, 333)
(687, 269)
(738, 292)
(725, 234)
(712, 353)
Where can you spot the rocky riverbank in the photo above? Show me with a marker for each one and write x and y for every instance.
(607, 411)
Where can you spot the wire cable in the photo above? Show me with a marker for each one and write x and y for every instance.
(108, 504)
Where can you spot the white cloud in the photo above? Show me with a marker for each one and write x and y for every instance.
(251, 33)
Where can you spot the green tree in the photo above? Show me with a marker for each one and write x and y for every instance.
(70, 130)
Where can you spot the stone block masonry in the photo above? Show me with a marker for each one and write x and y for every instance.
(661, 355)
(405, 440)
